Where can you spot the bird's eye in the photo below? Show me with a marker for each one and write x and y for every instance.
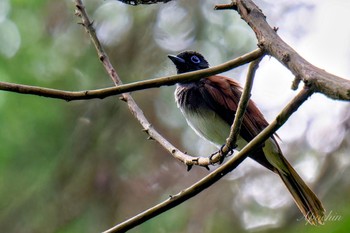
(195, 59)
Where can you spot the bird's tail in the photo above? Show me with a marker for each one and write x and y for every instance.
(305, 199)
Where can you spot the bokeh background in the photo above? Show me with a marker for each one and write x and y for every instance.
(84, 166)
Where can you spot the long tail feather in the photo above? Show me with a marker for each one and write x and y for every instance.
(306, 200)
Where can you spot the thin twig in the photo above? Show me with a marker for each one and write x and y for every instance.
(88, 25)
(134, 108)
(242, 105)
(212, 177)
(237, 122)
(230, 6)
(145, 2)
(124, 88)
(330, 85)
(216, 175)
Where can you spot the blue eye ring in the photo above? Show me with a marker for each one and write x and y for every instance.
(195, 59)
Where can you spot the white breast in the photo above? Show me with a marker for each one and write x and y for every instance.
(211, 127)
(205, 122)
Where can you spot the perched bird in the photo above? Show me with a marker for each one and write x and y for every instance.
(209, 106)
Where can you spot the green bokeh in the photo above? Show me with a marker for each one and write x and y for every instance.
(84, 166)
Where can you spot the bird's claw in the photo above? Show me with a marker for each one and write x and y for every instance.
(222, 154)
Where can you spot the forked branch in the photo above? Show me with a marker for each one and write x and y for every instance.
(221, 171)
(124, 88)
(242, 105)
(330, 85)
(134, 108)
(233, 162)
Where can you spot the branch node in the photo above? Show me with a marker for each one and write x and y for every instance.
(229, 6)
(308, 82)
(150, 138)
(77, 12)
(195, 160)
(102, 57)
(122, 98)
(261, 44)
(296, 83)
(285, 57)
(79, 7)
(91, 24)
(189, 167)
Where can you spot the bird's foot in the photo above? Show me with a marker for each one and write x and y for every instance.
(222, 154)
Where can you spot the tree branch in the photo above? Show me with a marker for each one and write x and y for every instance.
(218, 173)
(134, 108)
(88, 25)
(229, 6)
(221, 171)
(242, 105)
(330, 85)
(124, 88)
(144, 2)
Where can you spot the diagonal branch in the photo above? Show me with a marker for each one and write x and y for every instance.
(330, 85)
(212, 177)
(134, 108)
(216, 175)
(135, 86)
(145, 2)
(88, 25)
(242, 105)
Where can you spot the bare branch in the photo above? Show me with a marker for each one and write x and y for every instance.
(88, 25)
(242, 105)
(218, 173)
(229, 6)
(221, 171)
(144, 2)
(134, 108)
(324, 82)
(124, 88)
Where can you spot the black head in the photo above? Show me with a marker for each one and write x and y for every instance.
(189, 61)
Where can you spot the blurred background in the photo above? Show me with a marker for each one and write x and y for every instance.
(84, 166)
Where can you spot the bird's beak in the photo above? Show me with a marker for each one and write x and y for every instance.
(176, 60)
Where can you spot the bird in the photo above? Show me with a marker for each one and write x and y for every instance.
(209, 106)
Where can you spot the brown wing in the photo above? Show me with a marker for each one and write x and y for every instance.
(222, 96)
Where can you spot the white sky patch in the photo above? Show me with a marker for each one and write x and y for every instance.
(326, 45)
(323, 40)
(112, 22)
